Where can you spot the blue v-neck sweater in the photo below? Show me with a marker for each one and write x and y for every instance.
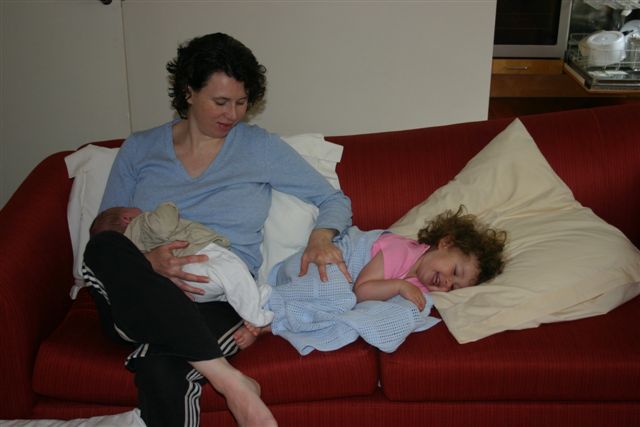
(233, 195)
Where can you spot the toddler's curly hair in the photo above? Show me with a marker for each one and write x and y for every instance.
(472, 237)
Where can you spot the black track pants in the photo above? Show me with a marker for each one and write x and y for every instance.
(139, 306)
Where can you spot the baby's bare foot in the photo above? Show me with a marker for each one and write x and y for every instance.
(257, 330)
(244, 337)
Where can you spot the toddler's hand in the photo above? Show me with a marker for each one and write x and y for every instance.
(413, 294)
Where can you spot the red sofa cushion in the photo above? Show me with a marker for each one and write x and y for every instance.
(78, 363)
(581, 360)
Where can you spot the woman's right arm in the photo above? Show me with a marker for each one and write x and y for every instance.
(166, 264)
(121, 183)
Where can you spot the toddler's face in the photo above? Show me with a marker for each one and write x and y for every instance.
(446, 268)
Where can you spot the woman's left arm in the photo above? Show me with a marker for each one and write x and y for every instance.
(321, 251)
(292, 174)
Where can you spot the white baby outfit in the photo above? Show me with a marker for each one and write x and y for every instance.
(229, 277)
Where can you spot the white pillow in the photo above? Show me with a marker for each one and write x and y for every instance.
(130, 419)
(90, 167)
(563, 262)
(286, 229)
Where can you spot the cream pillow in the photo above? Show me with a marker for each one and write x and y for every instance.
(563, 262)
(286, 229)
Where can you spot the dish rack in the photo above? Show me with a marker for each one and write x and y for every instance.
(614, 4)
(630, 62)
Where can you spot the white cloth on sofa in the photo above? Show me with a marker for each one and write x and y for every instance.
(229, 277)
(125, 419)
(89, 167)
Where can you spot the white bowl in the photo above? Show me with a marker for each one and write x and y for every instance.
(604, 48)
(632, 26)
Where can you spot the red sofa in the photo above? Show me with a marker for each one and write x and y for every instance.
(56, 363)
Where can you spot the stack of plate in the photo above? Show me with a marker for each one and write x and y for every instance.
(604, 48)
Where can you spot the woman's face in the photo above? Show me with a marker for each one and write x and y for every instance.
(446, 268)
(218, 106)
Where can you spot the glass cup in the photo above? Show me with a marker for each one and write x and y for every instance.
(633, 46)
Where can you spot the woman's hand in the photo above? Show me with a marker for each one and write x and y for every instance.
(166, 264)
(321, 251)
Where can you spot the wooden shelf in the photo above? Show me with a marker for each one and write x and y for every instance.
(526, 66)
(532, 86)
(541, 78)
(535, 86)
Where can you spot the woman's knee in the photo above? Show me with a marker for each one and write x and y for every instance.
(107, 248)
(108, 238)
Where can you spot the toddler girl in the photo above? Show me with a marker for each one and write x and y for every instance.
(453, 251)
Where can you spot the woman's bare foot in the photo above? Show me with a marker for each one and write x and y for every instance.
(241, 392)
(243, 400)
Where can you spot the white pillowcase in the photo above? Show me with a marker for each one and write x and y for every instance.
(563, 262)
(286, 229)
(90, 167)
(130, 418)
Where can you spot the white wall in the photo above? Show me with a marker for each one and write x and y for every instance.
(334, 67)
(63, 81)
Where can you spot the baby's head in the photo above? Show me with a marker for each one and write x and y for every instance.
(113, 219)
(478, 245)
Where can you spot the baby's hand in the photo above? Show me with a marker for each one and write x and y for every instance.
(413, 294)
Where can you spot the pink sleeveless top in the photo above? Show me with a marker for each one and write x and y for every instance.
(399, 254)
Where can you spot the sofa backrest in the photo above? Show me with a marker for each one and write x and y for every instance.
(595, 151)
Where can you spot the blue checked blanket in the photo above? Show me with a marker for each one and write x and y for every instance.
(315, 315)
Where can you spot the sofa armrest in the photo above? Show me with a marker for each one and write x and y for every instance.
(35, 277)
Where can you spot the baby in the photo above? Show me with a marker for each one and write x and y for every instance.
(229, 278)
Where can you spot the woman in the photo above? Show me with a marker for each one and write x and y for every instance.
(219, 171)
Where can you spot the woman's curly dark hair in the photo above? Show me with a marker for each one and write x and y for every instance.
(202, 56)
(471, 236)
